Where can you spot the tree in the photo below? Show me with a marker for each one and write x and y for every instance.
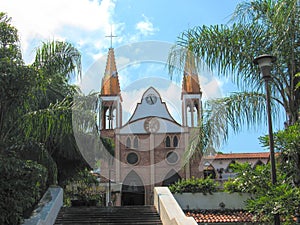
(287, 142)
(257, 27)
(36, 100)
(50, 119)
(16, 80)
(267, 199)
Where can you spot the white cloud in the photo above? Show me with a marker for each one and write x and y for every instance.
(212, 89)
(145, 27)
(130, 101)
(57, 19)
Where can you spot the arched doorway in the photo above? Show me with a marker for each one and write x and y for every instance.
(209, 171)
(171, 178)
(133, 191)
(258, 163)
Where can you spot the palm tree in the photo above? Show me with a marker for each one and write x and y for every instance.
(49, 120)
(256, 27)
(56, 63)
(16, 79)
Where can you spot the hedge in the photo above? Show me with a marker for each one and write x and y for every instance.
(22, 183)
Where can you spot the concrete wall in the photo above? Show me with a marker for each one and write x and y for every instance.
(214, 201)
(168, 208)
(48, 208)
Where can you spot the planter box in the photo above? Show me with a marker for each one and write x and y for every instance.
(216, 200)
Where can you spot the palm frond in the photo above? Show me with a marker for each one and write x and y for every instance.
(53, 122)
(59, 57)
(237, 111)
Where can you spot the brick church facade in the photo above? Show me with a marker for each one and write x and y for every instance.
(149, 147)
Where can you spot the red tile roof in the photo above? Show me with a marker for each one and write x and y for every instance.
(220, 216)
(257, 155)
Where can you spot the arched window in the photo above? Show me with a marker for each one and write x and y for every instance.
(209, 170)
(229, 167)
(135, 143)
(114, 118)
(168, 142)
(258, 163)
(128, 143)
(188, 116)
(107, 119)
(195, 116)
(175, 141)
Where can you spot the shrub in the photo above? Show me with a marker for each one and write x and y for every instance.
(37, 152)
(85, 187)
(194, 185)
(281, 198)
(231, 186)
(22, 182)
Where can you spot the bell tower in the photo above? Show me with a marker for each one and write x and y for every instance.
(191, 94)
(110, 98)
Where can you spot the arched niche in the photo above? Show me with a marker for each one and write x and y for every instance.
(171, 178)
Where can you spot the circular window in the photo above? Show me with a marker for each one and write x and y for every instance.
(151, 125)
(172, 157)
(132, 158)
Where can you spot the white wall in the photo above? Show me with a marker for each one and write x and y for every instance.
(208, 201)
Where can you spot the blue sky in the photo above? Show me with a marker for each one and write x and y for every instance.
(85, 23)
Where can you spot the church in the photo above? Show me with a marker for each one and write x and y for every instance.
(149, 147)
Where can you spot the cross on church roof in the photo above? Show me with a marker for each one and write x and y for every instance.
(111, 36)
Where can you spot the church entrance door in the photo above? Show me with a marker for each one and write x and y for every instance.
(133, 191)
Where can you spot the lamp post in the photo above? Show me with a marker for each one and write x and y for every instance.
(265, 63)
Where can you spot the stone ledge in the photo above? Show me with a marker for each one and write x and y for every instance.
(48, 208)
(168, 209)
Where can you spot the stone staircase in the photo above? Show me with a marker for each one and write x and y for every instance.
(125, 215)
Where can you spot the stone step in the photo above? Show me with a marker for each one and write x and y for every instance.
(126, 215)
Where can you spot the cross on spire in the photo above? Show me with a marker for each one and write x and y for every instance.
(111, 36)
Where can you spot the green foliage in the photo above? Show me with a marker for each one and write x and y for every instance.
(279, 199)
(16, 80)
(36, 114)
(287, 143)
(35, 152)
(298, 84)
(58, 58)
(248, 180)
(9, 46)
(194, 185)
(22, 183)
(267, 199)
(83, 186)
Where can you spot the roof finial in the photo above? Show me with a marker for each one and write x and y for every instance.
(111, 36)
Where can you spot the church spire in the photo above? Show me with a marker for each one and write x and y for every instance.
(111, 108)
(110, 81)
(190, 83)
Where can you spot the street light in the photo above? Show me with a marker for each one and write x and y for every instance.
(265, 63)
